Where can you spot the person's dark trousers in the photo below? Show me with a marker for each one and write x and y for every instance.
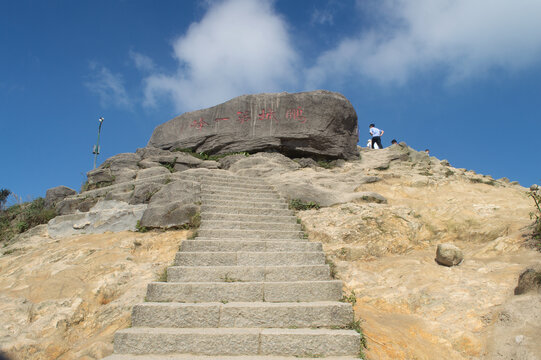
(377, 140)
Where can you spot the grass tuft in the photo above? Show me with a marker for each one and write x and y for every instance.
(298, 204)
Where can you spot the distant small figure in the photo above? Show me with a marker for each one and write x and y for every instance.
(376, 136)
(393, 141)
(427, 151)
(369, 144)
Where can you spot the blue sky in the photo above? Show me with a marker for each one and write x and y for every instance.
(462, 77)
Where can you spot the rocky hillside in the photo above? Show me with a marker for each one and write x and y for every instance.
(65, 288)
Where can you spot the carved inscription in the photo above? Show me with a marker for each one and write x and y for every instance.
(244, 116)
(292, 114)
(296, 114)
(267, 115)
(199, 124)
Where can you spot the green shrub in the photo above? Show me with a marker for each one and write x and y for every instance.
(351, 298)
(535, 215)
(170, 165)
(20, 217)
(325, 164)
(298, 204)
(163, 276)
(356, 325)
(140, 228)
(332, 267)
(4, 193)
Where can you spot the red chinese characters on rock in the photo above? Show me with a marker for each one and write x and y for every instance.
(267, 114)
(244, 116)
(221, 119)
(199, 124)
(296, 114)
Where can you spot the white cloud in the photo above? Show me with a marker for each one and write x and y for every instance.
(239, 46)
(141, 61)
(460, 38)
(108, 87)
(322, 17)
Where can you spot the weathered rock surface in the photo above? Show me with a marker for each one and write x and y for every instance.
(448, 255)
(106, 215)
(317, 123)
(64, 299)
(56, 194)
(173, 205)
(410, 306)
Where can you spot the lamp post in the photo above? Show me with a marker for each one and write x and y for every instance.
(96, 149)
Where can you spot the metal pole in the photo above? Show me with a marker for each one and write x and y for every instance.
(97, 148)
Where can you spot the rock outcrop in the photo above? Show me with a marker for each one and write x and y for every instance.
(56, 194)
(318, 123)
(380, 220)
(106, 215)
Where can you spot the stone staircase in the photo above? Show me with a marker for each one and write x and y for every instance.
(250, 286)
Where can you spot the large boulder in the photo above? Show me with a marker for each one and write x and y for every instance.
(56, 194)
(317, 123)
(173, 205)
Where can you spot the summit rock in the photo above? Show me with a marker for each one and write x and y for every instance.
(318, 123)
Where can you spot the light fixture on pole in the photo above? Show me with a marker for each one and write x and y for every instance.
(96, 149)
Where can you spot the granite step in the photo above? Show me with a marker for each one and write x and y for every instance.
(247, 225)
(245, 234)
(235, 341)
(250, 218)
(282, 273)
(218, 357)
(248, 239)
(216, 185)
(195, 292)
(248, 258)
(230, 196)
(243, 210)
(243, 315)
(243, 245)
(247, 203)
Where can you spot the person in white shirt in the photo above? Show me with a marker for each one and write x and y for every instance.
(376, 136)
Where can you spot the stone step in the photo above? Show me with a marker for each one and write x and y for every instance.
(251, 218)
(241, 210)
(245, 234)
(203, 357)
(212, 185)
(234, 341)
(246, 225)
(244, 315)
(241, 196)
(226, 179)
(248, 258)
(330, 290)
(275, 204)
(235, 181)
(248, 273)
(225, 189)
(242, 245)
(249, 239)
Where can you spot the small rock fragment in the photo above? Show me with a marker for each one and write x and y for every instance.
(529, 280)
(448, 255)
